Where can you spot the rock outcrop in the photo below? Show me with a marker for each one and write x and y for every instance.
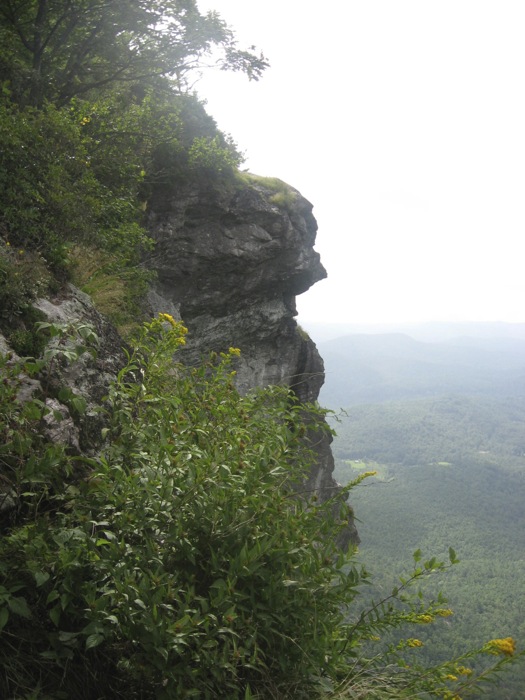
(88, 377)
(230, 262)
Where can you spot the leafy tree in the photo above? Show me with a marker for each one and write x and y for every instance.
(56, 49)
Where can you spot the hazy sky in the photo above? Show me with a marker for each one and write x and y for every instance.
(403, 122)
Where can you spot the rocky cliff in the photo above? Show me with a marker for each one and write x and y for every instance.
(230, 261)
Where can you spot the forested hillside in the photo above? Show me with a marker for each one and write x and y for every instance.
(452, 429)
(450, 472)
(96, 113)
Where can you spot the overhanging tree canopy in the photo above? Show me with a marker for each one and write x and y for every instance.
(59, 49)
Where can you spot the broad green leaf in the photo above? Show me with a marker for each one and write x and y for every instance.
(94, 640)
(19, 606)
(41, 577)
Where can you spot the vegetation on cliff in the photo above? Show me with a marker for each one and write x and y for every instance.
(178, 560)
(93, 115)
(183, 560)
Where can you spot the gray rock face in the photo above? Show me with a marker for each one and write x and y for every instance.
(88, 377)
(229, 263)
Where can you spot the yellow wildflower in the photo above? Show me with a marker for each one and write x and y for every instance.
(451, 677)
(168, 319)
(505, 646)
(463, 671)
(424, 619)
(362, 477)
(234, 351)
(445, 612)
(414, 643)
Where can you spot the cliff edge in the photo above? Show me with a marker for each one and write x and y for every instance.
(230, 261)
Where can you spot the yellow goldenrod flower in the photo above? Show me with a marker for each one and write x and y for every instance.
(168, 319)
(463, 671)
(505, 646)
(234, 351)
(362, 477)
(414, 643)
(451, 677)
(424, 619)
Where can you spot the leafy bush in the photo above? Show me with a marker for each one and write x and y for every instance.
(187, 564)
(23, 277)
(213, 157)
(46, 186)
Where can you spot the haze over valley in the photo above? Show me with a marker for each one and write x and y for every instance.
(438, 412)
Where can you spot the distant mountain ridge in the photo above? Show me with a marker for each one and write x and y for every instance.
(366, 368)
(431, 331)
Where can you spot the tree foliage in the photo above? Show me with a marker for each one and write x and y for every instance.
(56, 50)
(91, 123)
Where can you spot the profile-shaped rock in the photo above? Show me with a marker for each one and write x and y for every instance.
(229, 261)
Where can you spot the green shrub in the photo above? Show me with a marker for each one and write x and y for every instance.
(54, 190)
(187, 565)
(213, 157)
(23, 277)
(45, 182)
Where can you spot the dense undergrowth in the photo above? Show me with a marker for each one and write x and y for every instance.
(179, 561)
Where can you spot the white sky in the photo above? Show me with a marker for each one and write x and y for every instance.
(403, 122)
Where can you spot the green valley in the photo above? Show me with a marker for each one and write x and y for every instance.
(450, 472)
